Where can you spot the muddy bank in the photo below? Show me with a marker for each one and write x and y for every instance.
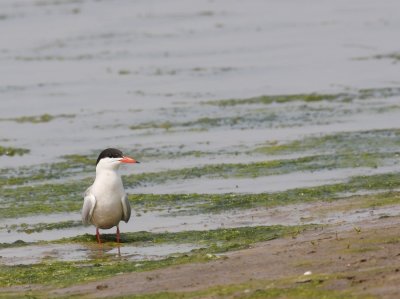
(354, 251)
(363, 261)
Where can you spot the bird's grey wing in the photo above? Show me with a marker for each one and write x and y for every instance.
(89, 202)
(126, 208)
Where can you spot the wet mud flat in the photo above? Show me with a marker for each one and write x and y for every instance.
(334, 262)
(340, 249)
(358, 258)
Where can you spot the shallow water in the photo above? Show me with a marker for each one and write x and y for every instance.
(154, 222)
(272, 183)
(149, 63)
(265, 51)
(74, 252)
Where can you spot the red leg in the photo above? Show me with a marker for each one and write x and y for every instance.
(98, 235)
(117, 234)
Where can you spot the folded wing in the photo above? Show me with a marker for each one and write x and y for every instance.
(126, 208)
(89, 202)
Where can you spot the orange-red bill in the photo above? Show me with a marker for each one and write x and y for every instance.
(126, 159)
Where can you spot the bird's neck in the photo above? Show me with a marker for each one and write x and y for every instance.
(107, 173)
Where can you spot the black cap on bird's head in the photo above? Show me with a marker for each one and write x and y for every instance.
(115, 153)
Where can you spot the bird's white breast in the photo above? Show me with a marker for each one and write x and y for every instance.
(108, 191)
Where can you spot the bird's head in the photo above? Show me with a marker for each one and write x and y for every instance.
(112, 158)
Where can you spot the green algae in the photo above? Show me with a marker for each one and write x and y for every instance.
(124, 72)
(42, 199)
(215, 203)
(71, 165)
(215, 241)
(275, 116)
(44, 118)
(395, 57)
(205, 123)
(67, 273)
(374, 200)
(304, 195)
(269, 99)
(37, 119)
(60, 57)
(313, 288)
(264, 168)
(67, 197)
(384, 92)
(18, 243)
(13, 151)
(345, 142)
(68, 167)
(39, 227)
(51, 193)
(78, 160)
(309, 97)
(350, 150)
(354, 149)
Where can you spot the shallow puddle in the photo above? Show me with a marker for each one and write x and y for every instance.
(34, 254)
(37, 253)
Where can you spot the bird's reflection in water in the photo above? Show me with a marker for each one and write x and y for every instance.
(104, 250)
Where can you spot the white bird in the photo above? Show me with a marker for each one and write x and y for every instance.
(105, 202)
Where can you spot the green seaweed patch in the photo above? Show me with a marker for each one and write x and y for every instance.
(36, 119)
(177, 153)
(395, 56)
(42, 199)
(66, 197)
(385, 92)
(372, 200)
(265, 117)
(79, 160)
(344, 142)
(44, 118)
(205, 123)
(13, 151)
(79, 57)
(60, 273)
(70, 166)
(304, 195)
(215, 203)
(18, 243)
(269, 99)
(215, 241)
(39, 227)
(264, 168)
(309, 97)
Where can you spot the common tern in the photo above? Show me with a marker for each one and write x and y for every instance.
(105, 202)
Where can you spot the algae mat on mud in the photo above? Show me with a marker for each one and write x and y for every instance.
(214, 242)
